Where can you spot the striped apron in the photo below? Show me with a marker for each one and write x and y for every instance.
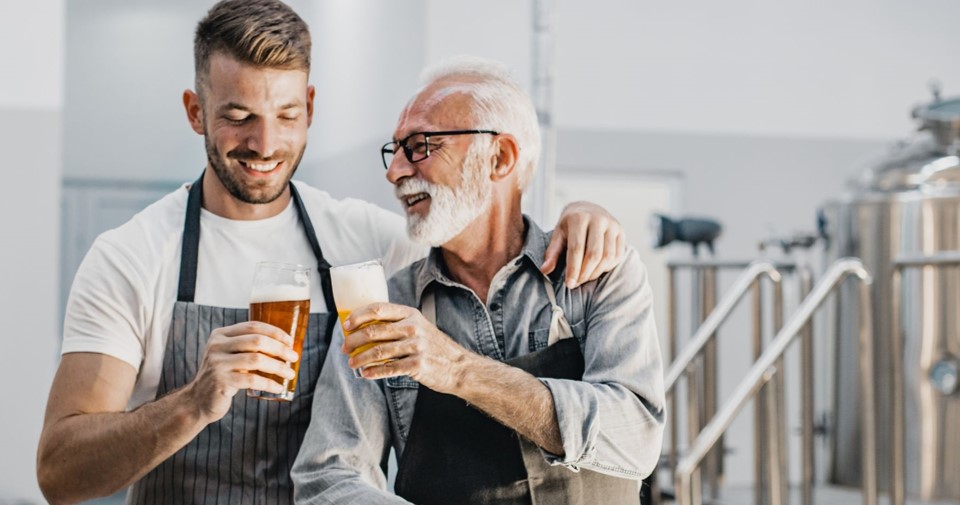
(246, 456)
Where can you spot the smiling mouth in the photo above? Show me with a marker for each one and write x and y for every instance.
(411, 200)
(262, 166)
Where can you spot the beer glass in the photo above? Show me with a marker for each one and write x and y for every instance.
(357, 285)
(281, 297)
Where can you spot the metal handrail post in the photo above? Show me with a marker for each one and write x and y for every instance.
(760, 469)
(716, 318)
(670, 395)
(776, 412)
(806, 395)
(708, 300)
(763, 370)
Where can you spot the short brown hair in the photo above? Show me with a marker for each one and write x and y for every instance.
(263, 33)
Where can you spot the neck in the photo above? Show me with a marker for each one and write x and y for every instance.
(218, 200)
(475, 256)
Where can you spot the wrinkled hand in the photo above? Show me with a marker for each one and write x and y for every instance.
(411, 344)
(595, 243)
(232, 353)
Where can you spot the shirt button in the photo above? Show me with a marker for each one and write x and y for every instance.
(494, 306)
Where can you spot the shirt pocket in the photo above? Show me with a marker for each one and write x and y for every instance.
(539, 338)
(402, 382)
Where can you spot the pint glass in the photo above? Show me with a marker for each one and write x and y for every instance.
(357, 285)
(281, 297)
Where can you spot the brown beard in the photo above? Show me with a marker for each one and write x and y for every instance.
(235, 186)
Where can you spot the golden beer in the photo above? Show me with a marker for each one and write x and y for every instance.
(281, 298)
(344, 314)
(355, 286)
(292, 317)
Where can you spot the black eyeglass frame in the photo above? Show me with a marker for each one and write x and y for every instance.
(389, 148)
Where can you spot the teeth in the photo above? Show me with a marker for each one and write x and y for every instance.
(416, 198)
(262, 167)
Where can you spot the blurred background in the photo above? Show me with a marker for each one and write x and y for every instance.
(751, 112)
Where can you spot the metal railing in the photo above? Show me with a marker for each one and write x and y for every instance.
(700, 408)
(898, 450)
(761, 373)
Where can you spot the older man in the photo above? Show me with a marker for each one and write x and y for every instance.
(502, 385)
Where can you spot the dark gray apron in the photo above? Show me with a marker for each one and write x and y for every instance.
(246, 456)
(457, 454)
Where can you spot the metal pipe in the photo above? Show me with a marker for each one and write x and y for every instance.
(778, 437)
(761, 372)
(540, 194)
(806, 396)
(708, 301)
(671, 395)
(868, 398)
(782, 266)
(717, 317)
(759, 417)
(897, 448)
(693, 424)
(772, 393)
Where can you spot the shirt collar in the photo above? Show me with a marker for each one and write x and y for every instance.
(534, 247)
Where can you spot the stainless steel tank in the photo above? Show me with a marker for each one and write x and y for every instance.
(908, 202)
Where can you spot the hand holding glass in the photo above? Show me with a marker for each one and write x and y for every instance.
(355, 286)
(281, 297)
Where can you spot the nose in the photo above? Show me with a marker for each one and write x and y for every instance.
(399, 168)
(264, 138)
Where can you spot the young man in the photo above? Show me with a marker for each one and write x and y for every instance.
(156, 343)
(494, 382)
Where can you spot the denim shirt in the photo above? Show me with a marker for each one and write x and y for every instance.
(610, 422)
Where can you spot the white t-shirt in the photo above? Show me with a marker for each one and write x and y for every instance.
(121, 301)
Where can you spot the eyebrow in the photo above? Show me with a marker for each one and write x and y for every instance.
(236, 106)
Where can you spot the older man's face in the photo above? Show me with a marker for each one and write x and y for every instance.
(444, 193)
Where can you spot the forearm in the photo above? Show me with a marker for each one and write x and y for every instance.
(513, 397)
(606, 427)
(87, 455)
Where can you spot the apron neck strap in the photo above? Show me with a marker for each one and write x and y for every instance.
(191, 246)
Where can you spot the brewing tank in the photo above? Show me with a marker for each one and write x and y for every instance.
(908, 202)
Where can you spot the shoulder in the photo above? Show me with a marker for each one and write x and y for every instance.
(403, 284)
(152, 234)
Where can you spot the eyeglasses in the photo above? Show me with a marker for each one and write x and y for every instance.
(417, 147)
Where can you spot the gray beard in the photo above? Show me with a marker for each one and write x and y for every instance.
(452, 209)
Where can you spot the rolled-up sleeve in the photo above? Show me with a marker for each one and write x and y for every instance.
(612, 421)
(347, 440)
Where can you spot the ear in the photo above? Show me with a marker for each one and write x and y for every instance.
(311, 92)
(191, 103)
(507, 154)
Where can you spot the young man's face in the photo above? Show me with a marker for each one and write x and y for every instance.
(254, 122)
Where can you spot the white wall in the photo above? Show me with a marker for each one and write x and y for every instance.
(748, 67)
(30, 101)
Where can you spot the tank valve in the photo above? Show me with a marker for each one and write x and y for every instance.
(945, 376)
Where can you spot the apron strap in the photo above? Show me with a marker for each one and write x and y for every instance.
(191, 246)
(191, 243)
(323, 266)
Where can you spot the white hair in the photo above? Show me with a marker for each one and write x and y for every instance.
(499, 103)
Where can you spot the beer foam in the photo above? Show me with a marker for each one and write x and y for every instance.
(357, 285)
(279, 293)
